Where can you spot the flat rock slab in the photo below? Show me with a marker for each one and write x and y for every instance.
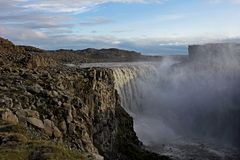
(35, 122)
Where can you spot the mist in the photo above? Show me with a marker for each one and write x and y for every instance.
(197, 100)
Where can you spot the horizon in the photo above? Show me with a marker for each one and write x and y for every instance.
(153, 27)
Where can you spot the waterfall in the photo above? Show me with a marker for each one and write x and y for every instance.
(136, 84)
(173, 102)
(127, 83)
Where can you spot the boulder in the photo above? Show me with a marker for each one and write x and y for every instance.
(56, 132)
(35, 89)
(35, 122)
(27, 113)
(97, 156)
(48, 127)
(51, 129)
(8, 116)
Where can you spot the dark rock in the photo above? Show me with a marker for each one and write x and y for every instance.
(35, 89)
(6, 102)
(80, 107)
(63, 127)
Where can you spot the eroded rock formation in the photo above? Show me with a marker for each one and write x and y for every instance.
(53, 112)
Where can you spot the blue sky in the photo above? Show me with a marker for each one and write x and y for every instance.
(148, 26)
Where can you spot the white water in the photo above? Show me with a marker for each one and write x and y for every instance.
(190, 111)
(182, 110)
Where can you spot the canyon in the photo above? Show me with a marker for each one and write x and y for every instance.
(55, 105)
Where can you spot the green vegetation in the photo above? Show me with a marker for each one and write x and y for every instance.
(14, 145)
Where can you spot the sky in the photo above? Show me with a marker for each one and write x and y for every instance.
(147, 26)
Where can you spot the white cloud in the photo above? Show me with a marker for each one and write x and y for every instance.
(22, 34)
(51, 24)
(95, 21)
(73, 6)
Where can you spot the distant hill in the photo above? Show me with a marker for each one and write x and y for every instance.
(22, 56)
(26, 55)
(91, 55)
(76, 56)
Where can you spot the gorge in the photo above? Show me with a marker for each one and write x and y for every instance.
(179, 107)
(182, 106)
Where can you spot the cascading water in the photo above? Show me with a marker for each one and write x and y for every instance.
(183, 109)
(178, 103)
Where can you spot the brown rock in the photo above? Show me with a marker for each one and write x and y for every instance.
(56, 132)
(36, 88)
(48, 126)
(6, 102)
(35, 122)
(69, 109)
(51, 129)
(55, 94)
(63, 126)
(97, 156)
(71, 128)
(8, 116)
(27, 113)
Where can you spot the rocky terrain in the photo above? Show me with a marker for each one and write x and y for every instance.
(48, 111)
(90, 55)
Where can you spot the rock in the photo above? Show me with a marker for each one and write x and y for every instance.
(56, 132)
(35, 88)
(48, 126)
(47, 75)
(63, 127)
(86, 80)
(51, 129)
(55, 94)
(77, 102)
(35, 122)
(97, 157)
(8, 116)
(27, 113)
(69, 110)
(6, 102)
(71, 128)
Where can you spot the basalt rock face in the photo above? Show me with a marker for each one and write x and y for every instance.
(79, 108)
(212, 51)
(11, 54)
(55, 112)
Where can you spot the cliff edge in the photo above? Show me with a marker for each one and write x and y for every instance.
(53, 112)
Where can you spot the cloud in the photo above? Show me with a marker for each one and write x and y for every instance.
(22, 34)
(96, 21)
(53, 24)
(49, 16)
(72, 6)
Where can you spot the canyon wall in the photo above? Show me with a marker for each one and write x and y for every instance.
(55, 112)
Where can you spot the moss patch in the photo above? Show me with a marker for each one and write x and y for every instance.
(40, 150)
(16, 144)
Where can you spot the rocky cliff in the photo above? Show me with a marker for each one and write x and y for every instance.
(22, 56)
(53, 112)
(213, 51)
